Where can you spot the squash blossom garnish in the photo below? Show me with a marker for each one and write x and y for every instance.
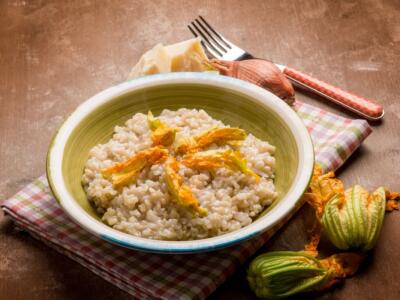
(180, 192)
(280, 274)
(126, 172)
(185, 145)
(352, 218)
(219, 136)
(213, 159)
(161, 133)
(163, 138)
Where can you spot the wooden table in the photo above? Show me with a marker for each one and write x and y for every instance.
(55, 54)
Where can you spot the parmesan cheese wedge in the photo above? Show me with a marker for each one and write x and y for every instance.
(154, 61)
(186, 56)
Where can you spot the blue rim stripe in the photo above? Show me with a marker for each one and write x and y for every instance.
(179, 251)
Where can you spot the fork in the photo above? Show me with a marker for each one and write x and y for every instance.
(221, 48)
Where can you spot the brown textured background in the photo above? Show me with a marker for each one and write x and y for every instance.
(55, 54)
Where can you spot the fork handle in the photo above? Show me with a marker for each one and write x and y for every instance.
(363, 107)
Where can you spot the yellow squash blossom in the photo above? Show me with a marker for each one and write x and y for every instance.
(220, 136)
(180, 192)
(352, 218)
(125, 172)
(161, 133)
(281, 274)
(213, 159)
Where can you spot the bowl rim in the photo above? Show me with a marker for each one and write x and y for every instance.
(286, 205)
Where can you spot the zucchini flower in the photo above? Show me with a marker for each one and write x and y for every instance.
(220, 136)
(185, 144)
(351, 219)
(213, 159)
(180, 192)
(280, 274)
(355, 220)
(124, 173)
(161, 133)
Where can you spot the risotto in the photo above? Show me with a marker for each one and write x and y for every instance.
(146, 206)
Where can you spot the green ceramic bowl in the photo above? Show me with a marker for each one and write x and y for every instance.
(232, 101)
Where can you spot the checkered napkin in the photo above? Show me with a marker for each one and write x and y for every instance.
(156, 276)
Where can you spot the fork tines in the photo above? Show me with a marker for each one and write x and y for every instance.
(213, 41)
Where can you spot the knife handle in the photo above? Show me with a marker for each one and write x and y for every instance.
(361, 106)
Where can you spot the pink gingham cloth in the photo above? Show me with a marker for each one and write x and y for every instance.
(156, 276)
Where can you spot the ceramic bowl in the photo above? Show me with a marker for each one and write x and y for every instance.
(230, 100)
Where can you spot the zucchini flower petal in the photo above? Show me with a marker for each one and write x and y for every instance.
(280, 274)
(180, 192)
(221, 136)
(213, 159)
(237, 161)
(125, 172)
(185, 144)
(204, 160)
(161, 133)
(164, 136)
(391, 200)
(153, 122)
(311, 247)
(342, 265)
(121, 179)
(322, 188)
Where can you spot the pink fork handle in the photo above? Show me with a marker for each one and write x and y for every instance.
(366, 108)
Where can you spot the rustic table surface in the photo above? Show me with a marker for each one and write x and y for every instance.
(55, 54)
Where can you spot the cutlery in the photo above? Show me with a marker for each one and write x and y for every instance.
(221, 48)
